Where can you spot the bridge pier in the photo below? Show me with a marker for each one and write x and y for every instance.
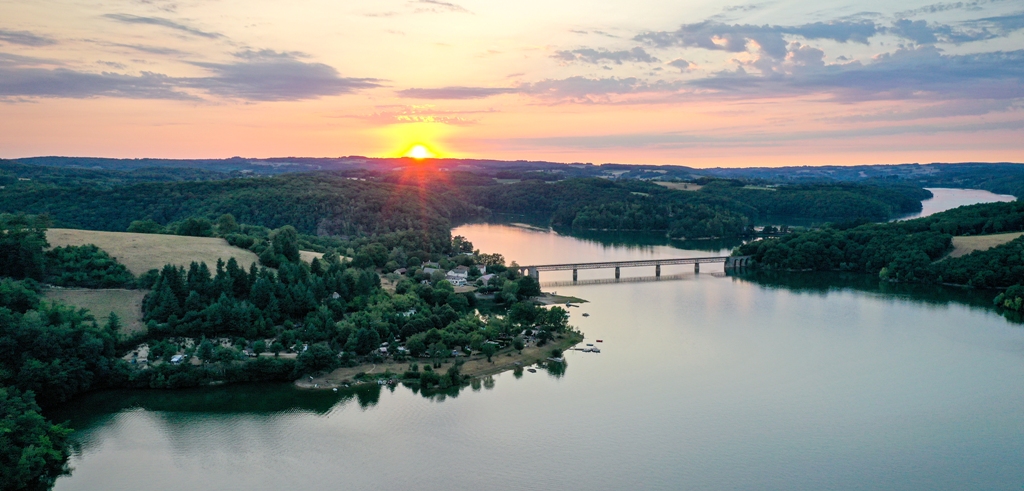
(616, 272)
(737, 262)
(657, 270)
(574, 275)
(696, 268)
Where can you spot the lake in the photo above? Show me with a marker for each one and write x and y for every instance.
(705, 381)
(947, 198)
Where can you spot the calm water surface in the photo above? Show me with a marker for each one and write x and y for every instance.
(704, 382)
(946, 198)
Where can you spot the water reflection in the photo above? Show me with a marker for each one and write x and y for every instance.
(751, 381)
(948, 198)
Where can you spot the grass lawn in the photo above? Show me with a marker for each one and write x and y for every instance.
(143, 252)
(966, 245)
(127, 304)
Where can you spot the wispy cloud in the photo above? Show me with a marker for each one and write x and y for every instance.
(268, 75)
(681, 140)
(25, 38)
(254, 76)
(771, 39)
(943, 7)
(439, 6)
(596, 56)
(153, 50)
(22, 81)
(586, 90)
(422, 114)
(944, 109)
(923, 32)
(573, 89)
(454, 92)
(907, 73)
(162, 22)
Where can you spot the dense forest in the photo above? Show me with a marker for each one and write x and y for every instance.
(908, 251)
(722, 208)
(317, 204)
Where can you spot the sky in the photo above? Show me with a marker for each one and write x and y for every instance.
(688, 82)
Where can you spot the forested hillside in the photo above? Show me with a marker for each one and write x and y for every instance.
(909, 250)
(15, 174)
(319, 203)
(425, 200)
(720, 209)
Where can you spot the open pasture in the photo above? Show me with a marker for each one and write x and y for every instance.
(143, 252)
(968, 244)
(127, 304)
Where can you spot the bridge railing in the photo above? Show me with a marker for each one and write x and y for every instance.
(731, 262)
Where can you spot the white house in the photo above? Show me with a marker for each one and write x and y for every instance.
(458, 273)
(456, 280)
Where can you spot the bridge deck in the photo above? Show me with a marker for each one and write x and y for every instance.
(627, 264)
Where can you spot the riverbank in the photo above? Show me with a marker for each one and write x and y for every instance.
(555, 299)
(473, 366)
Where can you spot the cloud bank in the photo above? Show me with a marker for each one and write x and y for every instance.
(253, 76)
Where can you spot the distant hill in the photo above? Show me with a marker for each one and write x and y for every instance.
(1002, 177)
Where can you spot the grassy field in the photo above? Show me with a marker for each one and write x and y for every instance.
(966, 245)
(143, 252)
(309, 255)
(127, 304)
(680, 186)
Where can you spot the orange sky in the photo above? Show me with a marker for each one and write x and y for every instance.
(691, 83)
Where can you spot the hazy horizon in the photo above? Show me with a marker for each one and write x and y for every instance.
(696, 83)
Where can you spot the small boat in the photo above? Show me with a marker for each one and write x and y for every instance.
(531, 370)
(586, 314)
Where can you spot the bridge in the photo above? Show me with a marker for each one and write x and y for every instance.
(731, 262)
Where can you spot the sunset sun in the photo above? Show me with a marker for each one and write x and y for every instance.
(420, 152)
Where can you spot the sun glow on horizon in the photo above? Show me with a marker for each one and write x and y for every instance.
(420, 152)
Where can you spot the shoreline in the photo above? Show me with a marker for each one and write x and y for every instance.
(474, 366)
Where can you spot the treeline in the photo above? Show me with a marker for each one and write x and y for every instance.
(15, 174)
(314, 203)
